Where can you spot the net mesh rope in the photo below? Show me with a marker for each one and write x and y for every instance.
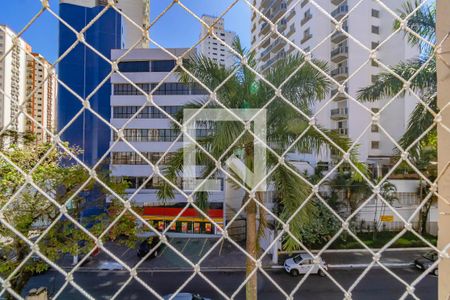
(408, 288)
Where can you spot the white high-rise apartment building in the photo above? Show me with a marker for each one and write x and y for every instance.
(152, 134)
(41, 105)
(139, 12)
(13, 80)
(136, 10)
(308, 28)
(213, 48)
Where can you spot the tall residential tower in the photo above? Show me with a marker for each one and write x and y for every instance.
(348, 61)
(41, 105)
(211, 47)
(13, 73)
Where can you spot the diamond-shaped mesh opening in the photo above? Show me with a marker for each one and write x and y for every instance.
(98, 206)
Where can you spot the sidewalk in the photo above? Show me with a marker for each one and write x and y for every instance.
(226, 256)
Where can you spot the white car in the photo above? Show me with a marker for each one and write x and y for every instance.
(110, 266)
(185, 296)
(302, 263)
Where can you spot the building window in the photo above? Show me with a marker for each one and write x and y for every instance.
(175, 88)
(306, 35)
(150, 135)
(134, 66)
(162, 65)
(145, 183)
(148, 112)
(306, 17)
(375, 29)
(374, 128)
(133, 158)
(375, 45)
(374, 63)
(375, 13)
(375, 144)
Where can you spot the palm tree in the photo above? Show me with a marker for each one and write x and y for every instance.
(354, 189)
(244, 89)
(422, 22)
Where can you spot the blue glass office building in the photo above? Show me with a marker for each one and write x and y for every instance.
(83, 70)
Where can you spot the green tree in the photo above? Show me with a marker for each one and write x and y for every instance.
(30, 212)
(353, 189)
(302, 85)
(388, 191)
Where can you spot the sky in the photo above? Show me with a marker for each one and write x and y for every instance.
(177, 28)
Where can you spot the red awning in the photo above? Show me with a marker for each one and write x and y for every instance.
(174, 211)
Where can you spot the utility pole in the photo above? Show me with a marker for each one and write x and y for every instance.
(443, 75)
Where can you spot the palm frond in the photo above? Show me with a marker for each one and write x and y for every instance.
(292, 192)
(420, 121)
(388, 85)
(422, 22)
(305, 84)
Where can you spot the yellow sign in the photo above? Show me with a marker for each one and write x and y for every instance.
(389, 219)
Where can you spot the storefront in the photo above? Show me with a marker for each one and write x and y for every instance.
(189, 222)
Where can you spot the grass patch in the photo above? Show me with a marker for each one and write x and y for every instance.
(407, 240)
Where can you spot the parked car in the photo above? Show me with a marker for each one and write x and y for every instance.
(110, 266)
(425, 261)
(185, 296)
(302, 263)
(147, 245)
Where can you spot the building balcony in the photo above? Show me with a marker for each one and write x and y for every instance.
(338, 96)
(339, 36)
(340, 12)
(339, 54)
(341, 131)
(266, 9)
(340, 73)
(306, 19)
(278, 45)
(274, 47)
(281, 27)
(291, 31)
(279, 11)
(290, 15)
(265, 28)
(273, 60)
(265, 43)
(336, 2)
(306, 37)
(339, 113)
(265, 54)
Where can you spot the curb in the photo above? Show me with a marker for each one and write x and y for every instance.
(361, 250)
(239, 269)
(361, 266)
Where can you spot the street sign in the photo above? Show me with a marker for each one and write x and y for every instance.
(389, 219)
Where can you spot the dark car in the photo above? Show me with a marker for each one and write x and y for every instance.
(147, 245)
(425, 261)
(185, 296)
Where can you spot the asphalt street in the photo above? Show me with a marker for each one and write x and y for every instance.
(377, 284)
